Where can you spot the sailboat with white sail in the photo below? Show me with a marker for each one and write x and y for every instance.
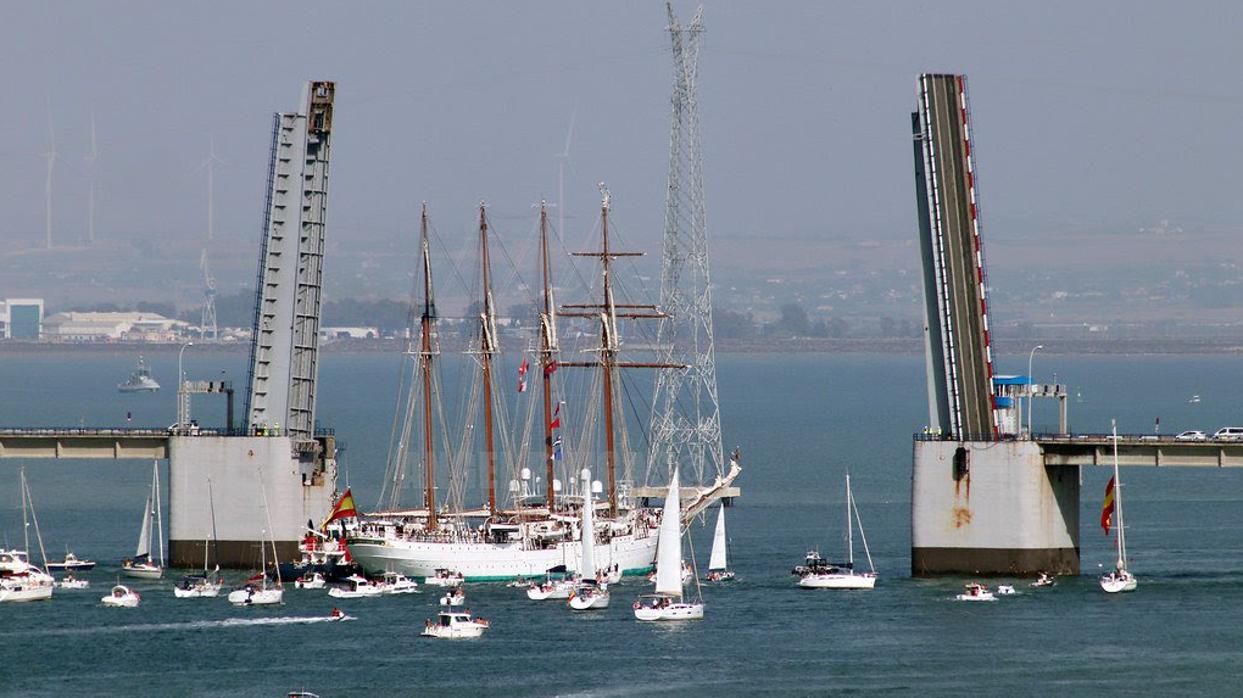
(669, 602)
(718, 563)
(20, 580)
(141, 566)
(495, 543)
(258, 590)
(844, 576)
(591, 591)
(206, 585)
(1120, 578)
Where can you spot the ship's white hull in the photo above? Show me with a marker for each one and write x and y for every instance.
(26, 592)
(202, 591)
(838, 581)
(257, 597)
(359, 593)
(488, 562)
(677, 611)
(556, 589)
(589, 601)
(1117, 585)
(143, 572)
(454, 632)
(128, 601)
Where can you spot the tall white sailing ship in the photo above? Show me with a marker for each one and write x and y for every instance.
(529, 537)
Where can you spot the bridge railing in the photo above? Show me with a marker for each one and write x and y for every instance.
(139, 431)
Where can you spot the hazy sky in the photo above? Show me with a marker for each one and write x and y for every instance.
(1087, 115)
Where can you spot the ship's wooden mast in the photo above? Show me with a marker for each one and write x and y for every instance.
(609, 345)
(487, 348)
(548, 350)
(425, 361)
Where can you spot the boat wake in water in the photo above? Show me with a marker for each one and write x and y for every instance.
(191, 625)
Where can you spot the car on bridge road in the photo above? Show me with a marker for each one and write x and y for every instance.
(1229, 434)
(1191, 435)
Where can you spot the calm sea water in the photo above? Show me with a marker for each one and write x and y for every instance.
(802, 421)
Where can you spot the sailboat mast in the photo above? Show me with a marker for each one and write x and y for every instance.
(159, 514)
(850, 531)
(1118, 501)
(487, 347)
(548, 348)
(608, 353)
(425, 362)
(25, 516)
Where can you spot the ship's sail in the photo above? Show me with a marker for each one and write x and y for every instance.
(717, 561)
(587, 567)
(669, 546)
(144, 533)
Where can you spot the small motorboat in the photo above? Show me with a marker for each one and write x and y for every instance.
(1005, 590)
(72, 582)
(121, 597)
(519, 582)
(976, 592)
(71, 564)
(719, 576)
(314, 580)
(454, 625)
(393, 583)
(338, 615)
(445, 578)
(454, 597)
(356, 587)
(1044, 580)
(589, 595)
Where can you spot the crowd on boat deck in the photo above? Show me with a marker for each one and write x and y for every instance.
(645, 521)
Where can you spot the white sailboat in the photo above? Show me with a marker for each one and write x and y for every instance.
(140, 566)
(258, 591)
(1120, 578)
(668, 603)
(837, 576)
(20, 580)
(205, 585)
(718, 564)
(591, 591)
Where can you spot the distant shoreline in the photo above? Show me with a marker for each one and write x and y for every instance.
(888, 346)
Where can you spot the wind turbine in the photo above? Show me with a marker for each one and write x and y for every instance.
(90, 174)
(562, 158)
(51, 158)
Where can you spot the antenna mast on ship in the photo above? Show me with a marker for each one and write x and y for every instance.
(609, 344)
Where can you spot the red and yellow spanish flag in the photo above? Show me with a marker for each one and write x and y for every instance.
(344, 509)
(1107, 513)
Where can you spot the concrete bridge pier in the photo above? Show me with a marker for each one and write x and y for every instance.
(241, 470)
(992, 508)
